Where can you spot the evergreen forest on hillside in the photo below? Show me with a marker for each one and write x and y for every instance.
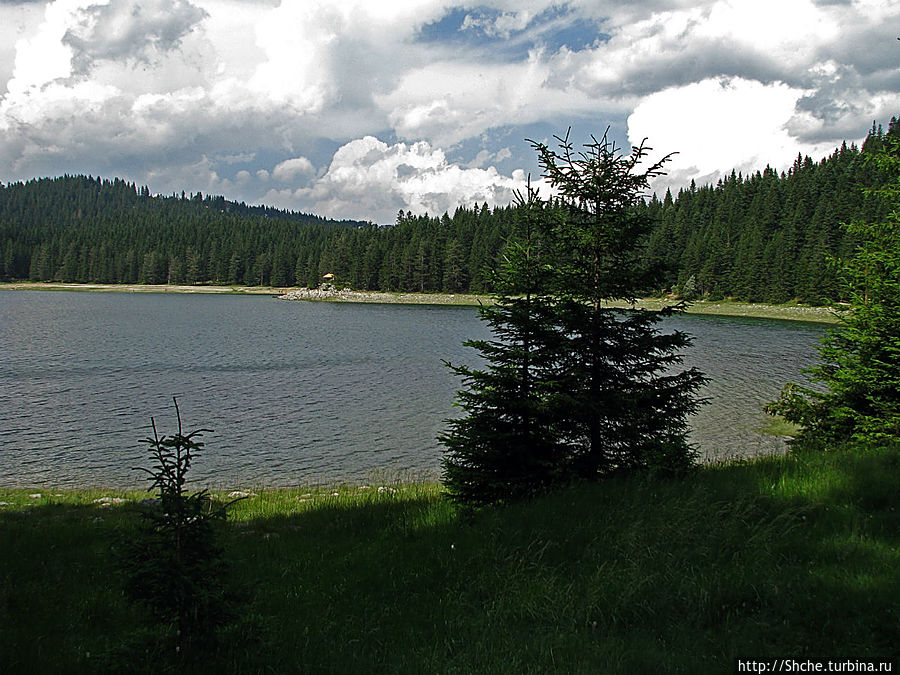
(761, 237)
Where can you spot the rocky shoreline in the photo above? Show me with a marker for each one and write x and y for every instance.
(762, 311)
(792, 312)
(332, 294)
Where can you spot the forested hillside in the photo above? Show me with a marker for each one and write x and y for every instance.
(762, 237)
(767, 237)
(82, 229)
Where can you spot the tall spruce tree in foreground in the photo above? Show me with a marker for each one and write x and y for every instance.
(629, 401)
(575, 389)
(860, 368)
(505, 446)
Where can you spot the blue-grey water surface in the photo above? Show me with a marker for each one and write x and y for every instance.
(296, 392)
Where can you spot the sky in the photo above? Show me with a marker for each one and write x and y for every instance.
(360, 108)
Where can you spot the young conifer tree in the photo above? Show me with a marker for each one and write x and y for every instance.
(506, 444)
(574, 388)
(629, 402)
(174, 566)
(860, 368)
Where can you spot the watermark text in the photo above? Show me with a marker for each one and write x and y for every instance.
(813, 666)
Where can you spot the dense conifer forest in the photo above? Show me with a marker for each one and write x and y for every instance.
(761, 237)
(768, 236)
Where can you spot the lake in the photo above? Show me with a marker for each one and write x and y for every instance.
(296, 392)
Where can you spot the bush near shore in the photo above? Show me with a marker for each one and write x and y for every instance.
(780, 557)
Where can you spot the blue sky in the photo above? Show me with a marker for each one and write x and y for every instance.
(356, 109)
(475, 28)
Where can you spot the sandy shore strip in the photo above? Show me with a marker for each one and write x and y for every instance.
(754, 310)
(791, 312)
(134, 288)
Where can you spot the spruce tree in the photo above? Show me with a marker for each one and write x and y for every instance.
(506, 445)
(574, 388)
(859, 397)
(628, 402)
(173, 565)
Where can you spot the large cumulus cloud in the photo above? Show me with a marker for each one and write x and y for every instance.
(371, 180)
(740, 112)
(121, 30)
(274, 100)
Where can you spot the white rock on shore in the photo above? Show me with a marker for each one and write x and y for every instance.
(328, 292)
(324, 293)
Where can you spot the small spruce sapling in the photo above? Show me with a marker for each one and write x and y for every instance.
(174, 567)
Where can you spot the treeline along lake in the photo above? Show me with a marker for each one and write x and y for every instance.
(296, 392)
(761, 237)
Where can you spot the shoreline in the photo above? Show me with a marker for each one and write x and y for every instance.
(788, 312)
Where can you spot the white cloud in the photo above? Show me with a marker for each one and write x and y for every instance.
(719, 124)
(485, 157)
(250, 95)
(500, 26)
(480, 160)
(124, 30)
(17, 23)
(295, 39)
(369, 179)
(73, 34)
(289, 169)
(42, 57)
(446, 102)
(781, 28)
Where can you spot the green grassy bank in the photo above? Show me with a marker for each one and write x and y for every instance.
(782, 557)
(789, 311)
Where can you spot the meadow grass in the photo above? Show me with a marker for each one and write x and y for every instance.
(778, 557)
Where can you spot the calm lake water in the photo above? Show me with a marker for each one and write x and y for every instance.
(296, 392)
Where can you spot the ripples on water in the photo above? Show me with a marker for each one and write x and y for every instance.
(296, 392)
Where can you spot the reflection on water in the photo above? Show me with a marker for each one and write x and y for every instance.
(296, 392)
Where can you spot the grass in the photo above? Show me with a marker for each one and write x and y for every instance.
(776, 425)
(781, 557)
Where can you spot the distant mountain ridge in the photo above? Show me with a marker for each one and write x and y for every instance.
(99, 190)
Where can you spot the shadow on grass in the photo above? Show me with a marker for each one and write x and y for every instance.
(783, 557)
(61, 606)
(744, 560)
